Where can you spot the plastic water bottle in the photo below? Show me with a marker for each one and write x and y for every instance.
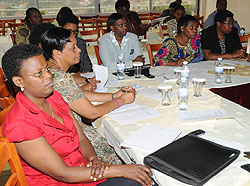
(218, 71)
(242, 31)
(185, 71)
(183, 94)
(120, 68)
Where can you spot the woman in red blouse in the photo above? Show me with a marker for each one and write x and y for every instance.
(50, 142)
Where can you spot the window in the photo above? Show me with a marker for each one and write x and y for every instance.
(49, 8)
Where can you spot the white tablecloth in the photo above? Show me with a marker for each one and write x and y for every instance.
(236, 129)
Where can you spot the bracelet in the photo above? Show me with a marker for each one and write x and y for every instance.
(118, 105)
(113, 96)
(93, 157)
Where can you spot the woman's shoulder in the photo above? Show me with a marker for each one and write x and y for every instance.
(132, 35)
(170, 40)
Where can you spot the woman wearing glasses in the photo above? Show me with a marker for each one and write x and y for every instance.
(222, 39)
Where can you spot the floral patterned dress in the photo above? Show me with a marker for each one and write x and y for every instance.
(172, 51)
(65, 84)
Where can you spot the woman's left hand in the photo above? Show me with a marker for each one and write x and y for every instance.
(89, 86)
(98, 168)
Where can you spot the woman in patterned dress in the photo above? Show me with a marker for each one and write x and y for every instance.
(186, 46)
(60, 47)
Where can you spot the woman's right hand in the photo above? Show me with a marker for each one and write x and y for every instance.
(138, 173)
(128, 97)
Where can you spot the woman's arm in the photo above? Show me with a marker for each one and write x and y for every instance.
(51, 164)
(85, 108)
(208, 55)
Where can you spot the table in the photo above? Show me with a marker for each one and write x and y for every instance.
(236, 129)
(5, 44)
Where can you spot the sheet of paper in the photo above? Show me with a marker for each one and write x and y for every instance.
(112, 81)
(200, 115)
(101, 74)
(133, 115)
(151, 138)
(231, 144)
(126, 107)
(152, 93)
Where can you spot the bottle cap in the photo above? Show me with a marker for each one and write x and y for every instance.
(183, 79)
(219, 59)
(185, 62)
(229, 67)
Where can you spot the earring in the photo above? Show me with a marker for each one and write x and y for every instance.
(22, 89)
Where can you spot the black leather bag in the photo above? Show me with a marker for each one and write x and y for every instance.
(191, 159)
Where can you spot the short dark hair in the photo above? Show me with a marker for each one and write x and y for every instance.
(38, 31)
(122, 3)
(68, 18)
(63, 10)
(12, 60)
(179, 7)
(222, 15)
(183, 21)
(55, 38)
(218, 1)
(28, 14)
(173, 5)
(112, 19)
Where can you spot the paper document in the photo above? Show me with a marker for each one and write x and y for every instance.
(101, 74)
(152, 93)
(202, 115)
(151, 138)
(133, 115)
(231, 144)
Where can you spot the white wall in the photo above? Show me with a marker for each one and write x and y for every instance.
(240, 8)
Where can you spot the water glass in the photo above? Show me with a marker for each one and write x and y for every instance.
(165, 94)
(177, 72)
(198, 85)
(137, 67)
(228, 70)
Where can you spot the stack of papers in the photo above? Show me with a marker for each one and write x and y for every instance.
(201, 115)
(132, 113)
(151, 138)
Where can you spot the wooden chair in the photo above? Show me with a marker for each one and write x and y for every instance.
(156, 14)
(2, 29)
(103, 16)
(103, 31)
(91, 33)
(2, 77)
(101, 23)
(163, 31)
(3, 114)
(13, 26)
(87, 24)
(89, 17)
(96, 47)
(48, 20)
(146, 20)
(8, 154)
(5, 24)
(244, 40)
(6, 97)
(144, 14)
(200, 20)
(151, 48)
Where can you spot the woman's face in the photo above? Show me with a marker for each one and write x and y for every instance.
(35, 78)
(179, 13)
(190, 30)
(120, 28)
(35, 17)
(225, 27)
(70, 54)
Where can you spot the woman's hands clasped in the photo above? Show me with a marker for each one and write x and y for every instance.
(127, 94)
(98, 167)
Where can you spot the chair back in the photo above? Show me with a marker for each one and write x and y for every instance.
(101, 23)
(3, 114)
(248, 45)
(163, 31)
(200, 20)
(144, 14)
(244, 41)
(96, 47)
(48, 20)
(8, 154)
(6, 97)
(151, 48)
(103, 16)
(2, 77)
(13, 26)
(4, 24)
(87, 24)
(2, 29)
(88, 33)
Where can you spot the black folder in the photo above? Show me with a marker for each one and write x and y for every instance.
(191, 159)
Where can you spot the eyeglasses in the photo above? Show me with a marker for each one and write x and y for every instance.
(75, 32)
(39, 74)
(228, 24)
